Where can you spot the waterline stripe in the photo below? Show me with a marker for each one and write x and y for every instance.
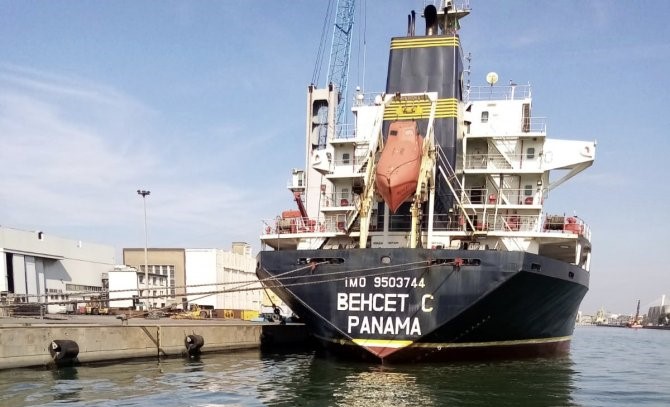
(492, 343)
(382, 343)
(394, 343)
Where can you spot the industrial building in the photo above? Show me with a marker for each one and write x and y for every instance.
(36, 267)
(223, 281)
(166, 274)
(218, 280)
(65, 274)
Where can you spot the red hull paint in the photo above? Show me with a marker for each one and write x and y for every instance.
(398, 168)
(381, 352)
(493, 352)
(451, 353)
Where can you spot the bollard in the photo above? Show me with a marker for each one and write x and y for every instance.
(123, 318)
(194, 344)
(63, 351)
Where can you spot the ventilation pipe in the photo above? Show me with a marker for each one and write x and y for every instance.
(430, 14)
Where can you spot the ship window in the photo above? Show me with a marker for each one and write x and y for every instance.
(386, 260)
(345, 158)
(345, 197)
(530, 153)
(485, 116)
(535, 266)
(528, 190)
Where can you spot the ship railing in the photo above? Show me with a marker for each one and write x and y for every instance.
(345, 131)
(349, 164)
(288, 226)
(566, 224)
(506, 92)
(503, 196)
(510, 223)
(479, 161)
(534, 124)
(337, 223)
(340, 199)
(294, 225)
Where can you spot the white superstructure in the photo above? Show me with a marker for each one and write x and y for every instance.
(505, 168)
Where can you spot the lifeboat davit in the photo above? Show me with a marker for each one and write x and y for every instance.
(398, 167)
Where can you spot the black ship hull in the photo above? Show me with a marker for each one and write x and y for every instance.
(401, 305)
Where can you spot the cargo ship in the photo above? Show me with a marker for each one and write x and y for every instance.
(419, 232)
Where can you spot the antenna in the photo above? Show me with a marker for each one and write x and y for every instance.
(491, 78)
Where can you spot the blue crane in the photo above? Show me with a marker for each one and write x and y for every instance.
(338, 66)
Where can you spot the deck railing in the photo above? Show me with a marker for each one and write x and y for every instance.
(504, 196)
(443, 222)
(506, 92)
(340, 199)
(497, 161)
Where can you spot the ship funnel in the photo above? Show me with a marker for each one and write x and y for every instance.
(430, 14)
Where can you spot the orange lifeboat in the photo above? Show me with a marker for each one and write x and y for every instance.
(398, 167)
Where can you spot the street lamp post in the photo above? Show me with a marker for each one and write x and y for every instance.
(146, 243)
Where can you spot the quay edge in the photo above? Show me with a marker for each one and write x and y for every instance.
(27, 344)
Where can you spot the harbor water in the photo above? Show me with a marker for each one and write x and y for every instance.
(607, 367)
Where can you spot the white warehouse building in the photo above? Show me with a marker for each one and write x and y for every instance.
(36, 267)
(216, 270)
(123, 287)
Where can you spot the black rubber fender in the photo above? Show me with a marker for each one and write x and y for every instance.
(63, 350)
(194, 344)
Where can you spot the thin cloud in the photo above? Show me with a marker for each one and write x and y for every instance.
(49, 84)
(66, 166)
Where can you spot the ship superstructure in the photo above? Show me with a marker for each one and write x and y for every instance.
(429, 244)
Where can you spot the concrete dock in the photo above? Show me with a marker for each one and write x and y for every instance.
(26, 342)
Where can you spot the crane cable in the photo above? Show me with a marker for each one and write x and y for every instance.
(362, 50)
(322, 43)
(377, 271)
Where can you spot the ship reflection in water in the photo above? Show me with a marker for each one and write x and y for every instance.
(249, 378)
(540, 382)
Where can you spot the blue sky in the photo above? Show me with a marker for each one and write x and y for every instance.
(203, 104)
